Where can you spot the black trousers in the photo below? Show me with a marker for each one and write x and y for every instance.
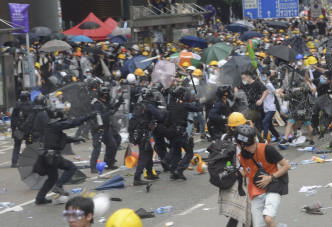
(144, 159)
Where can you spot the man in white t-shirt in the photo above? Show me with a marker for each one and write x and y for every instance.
(269, 106)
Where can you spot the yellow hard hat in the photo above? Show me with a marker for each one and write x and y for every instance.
(185, 64)
(296, 32)
(197, 72)
(312, 60)
(213, 63)
(281, 31)
(56, 53)
(236, 119)
(306, 63)
(286, 37)
(145, 53)
(324, 51)
(121, 56)
(174, 49)
(197, 48)
(124, 218)
(311, 45)
(78, 49)
(58, 93)
(139, 72)
(169, 44)
(266, 40)
(262, 54)
(105, 47)
(266, 32)
(37, 65)
(218, 20)
(306, 18)
(321, 17)
(313, 50)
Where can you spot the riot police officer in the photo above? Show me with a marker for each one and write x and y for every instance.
(55, 141)
(20, 113)
(145, 117)
(218, 115)
(101, 131)
(177, 121)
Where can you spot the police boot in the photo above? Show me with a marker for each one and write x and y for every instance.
(42, 201)
(60, 191)
(151, 176)
(165, 165)
(140, 182)
(178, 175)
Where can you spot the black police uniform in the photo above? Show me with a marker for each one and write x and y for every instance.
(20, 113)
(218, 118)
(55, 140)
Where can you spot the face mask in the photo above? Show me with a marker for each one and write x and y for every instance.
(88, 76)
(293, 83)
(20, 57)
(299, 63)
(264, 66)
(264, 78)
(322, 81)
(245, 82)
(60, 61)
(118, 73)
(168, 49)
(147, 49)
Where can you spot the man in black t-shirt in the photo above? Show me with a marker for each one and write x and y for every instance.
(322, 27)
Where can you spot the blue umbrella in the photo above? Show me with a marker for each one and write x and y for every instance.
(120, 39)
(211, 11)
(249, 35)
(237, 28)
(134, 63)
(194, 41)
(81, 38)
(116, 182)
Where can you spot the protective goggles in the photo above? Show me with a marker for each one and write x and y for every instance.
(72, 215)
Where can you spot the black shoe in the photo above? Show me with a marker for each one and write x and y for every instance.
(165, 165)
(315, 132)
(177, 175)
(43, 201)
(312, 142)
(174, 176)
(204, 137)
(283, 142)
(152, 177)
(112, 167)
(140, 182)
(94, 171)
(321, 137)
(60, 191)
(181, 176)
(14, 165)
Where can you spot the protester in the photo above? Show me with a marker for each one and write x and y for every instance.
(79, 212)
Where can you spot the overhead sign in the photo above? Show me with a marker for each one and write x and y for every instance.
(315, 9)
(19, 16)
(270, 8)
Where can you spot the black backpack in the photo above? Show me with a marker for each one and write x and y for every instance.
(221, 152)
(137, 123)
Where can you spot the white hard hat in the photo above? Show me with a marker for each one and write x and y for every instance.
(221, 63)
(213, 79)
(191, 68)
(196, 81)
(135, 47)
(131, 78)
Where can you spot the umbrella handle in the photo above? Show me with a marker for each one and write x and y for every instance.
(192, 80)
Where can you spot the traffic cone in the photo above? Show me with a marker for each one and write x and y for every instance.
(202, 167)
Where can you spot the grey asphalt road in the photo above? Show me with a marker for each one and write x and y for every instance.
(194, 201)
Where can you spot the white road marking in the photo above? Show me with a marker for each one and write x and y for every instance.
(110, 172)
(4, 163)
(192, 209)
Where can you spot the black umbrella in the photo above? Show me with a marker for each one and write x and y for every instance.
(54, 35)
(89, 25)
(283, 52)
(230, 73)
(249, 35)
(41, 31)
(212, 39)
(325, 103)
(72, 44)
(297, 44)
(328, 54)
(32, 38)
(13, 50)
(277, 25)
(322, 42)
(94, 50)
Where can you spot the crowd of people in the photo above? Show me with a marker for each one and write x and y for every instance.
(270, 91)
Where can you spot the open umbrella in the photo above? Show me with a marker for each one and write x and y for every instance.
(237, 28)
(246, 24)
(212, 39)
(182, 57)
(116, 182)
(230, 73)
(193, 41)
(120, 39)
(249, 35)
(322, 42)
(41, 31)
(325, 103)
(55, 45)
(72, 44)
(32, 38)
(216, 52)
(81, 38)
(283, 52)
(130, 65)
(277, 25)
(53, 36)
(163, 72)
(13, 50)
(298, 44)
(94, 50)
(211, 11)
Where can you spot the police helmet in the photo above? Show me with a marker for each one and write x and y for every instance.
(158, 86)
(179, 92)
(93, 84)
(24, 96)
(39, 102)
(56, 112)
(146, 93)
(245, 135)
(103, 91)
(222, 90)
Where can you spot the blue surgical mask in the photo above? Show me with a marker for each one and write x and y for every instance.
(88, 76)
(322, 81)
(293, 83)
(264, 66)
(264, 78)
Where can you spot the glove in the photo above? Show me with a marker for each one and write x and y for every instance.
(121, 99)
(91, 115)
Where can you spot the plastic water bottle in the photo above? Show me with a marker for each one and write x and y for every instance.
(161, 210)
(317, 159)
(307, 162)
(6, 204)
(309, 149)
(3, 190)
(323, 156)
(311, 192)
(77, 190)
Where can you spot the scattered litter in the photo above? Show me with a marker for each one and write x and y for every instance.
(148, 186)
(316, 208)
(202, 150)
(307, 188)
(329, 185)
(162, 210)
(142, 213)
(78, 158)
(6, 204)
(101, 220)
(98, 181)
(81, 162)
(123, 167)
(169, 224)
(116, 199)
(30, 217)
(309, 149)
(311, 192)
(282, 225)
(3, 190)
(15, 209)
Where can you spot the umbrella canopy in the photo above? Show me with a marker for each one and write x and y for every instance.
(163, 72)
(297, 44)
(212, 39)
(194, 41)
(116, 182)
(182, 57)
(277, 25)
(211, 11)
(130, 65)
(81, 38)
(246, 24)
(54, 36)
(216, 52)
(121, 31)
(230, 73)
(283, 52)
(55, 45)
(328, 54)
(72, 44)
(237, 28)
(120, 39)
(13, 50)
(322, 42)
(325, 104)
(249, 35)
(41, 31)
(94, 50)
(21, 38)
